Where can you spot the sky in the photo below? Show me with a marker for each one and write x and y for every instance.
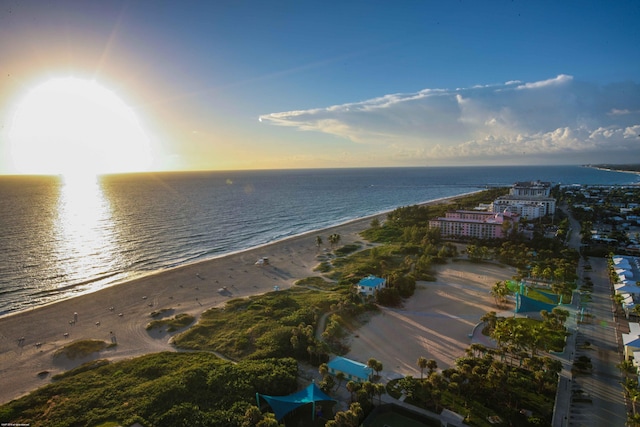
(223, 85)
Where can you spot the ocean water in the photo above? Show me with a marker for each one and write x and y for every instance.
(59, 239)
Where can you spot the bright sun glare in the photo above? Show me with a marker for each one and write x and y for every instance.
(75, 127)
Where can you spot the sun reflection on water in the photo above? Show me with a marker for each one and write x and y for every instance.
(85, 232)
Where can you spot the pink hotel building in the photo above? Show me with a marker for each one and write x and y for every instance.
(482, 225)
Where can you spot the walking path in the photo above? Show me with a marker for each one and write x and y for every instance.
(564, 393)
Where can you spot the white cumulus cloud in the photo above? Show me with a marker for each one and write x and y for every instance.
(560, 118)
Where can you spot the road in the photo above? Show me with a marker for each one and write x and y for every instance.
(594, 399)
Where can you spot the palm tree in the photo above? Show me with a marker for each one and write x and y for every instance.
(340, 419)
(350, 418)
(432, 365)
(454, 387)
(535, 272)
(627, 368)
(353, 386)
(371, 363)
(536, 339)
(472, 252)
(323, 369)
(633, 419)
(295, 342)
(312, 351)
(438, 384)
(358, 413)
(252, 416)
(552, 366)
(501, 333)
(340, 377)
(369, 389)
(490, 319)
(630, 386)
(318, 241)
(327, 383)
(322, 350)
(561, 315)
(378, 368)
(477, 349)
(500, 290)
(485, 252)
(379, 389)
(560, 274)
(422, 364)
(497, 375)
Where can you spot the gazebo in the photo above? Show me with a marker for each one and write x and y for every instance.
(282, 405)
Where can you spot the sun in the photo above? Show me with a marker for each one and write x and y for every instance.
(71, 126)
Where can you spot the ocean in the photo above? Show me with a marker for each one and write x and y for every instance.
(61, 238)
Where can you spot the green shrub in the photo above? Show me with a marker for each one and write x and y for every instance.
(79, 349)
(153, 390)
(177, 322)
(347, 249)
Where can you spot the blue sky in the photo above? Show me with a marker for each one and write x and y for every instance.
(288, 84)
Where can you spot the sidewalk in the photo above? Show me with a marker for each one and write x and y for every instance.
(562, 406)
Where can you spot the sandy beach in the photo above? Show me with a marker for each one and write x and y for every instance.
(435, 323)
(29, 339)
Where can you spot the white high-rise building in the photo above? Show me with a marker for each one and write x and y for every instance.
(530, 200)
(531, 189)
(525, 209)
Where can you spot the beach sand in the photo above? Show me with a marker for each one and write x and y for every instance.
(435, 323)
(120, 313)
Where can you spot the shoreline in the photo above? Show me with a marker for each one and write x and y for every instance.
(141, 275)
(613, 169)
(119, 313)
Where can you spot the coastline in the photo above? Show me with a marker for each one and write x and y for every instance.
(133, 277)
(612, 168)
(119, 313)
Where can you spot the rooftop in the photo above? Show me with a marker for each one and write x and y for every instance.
(351, 367)
(371, 281)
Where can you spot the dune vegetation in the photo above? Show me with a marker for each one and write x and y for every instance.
(80, 349)
(162, 389)
(264, 338)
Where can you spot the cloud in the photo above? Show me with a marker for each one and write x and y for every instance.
(557, 118)
(561, 79)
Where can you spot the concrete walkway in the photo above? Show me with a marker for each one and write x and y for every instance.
(561, 408)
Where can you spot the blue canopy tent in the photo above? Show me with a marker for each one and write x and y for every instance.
(525, 304)
(282, 405)
(554, 298)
